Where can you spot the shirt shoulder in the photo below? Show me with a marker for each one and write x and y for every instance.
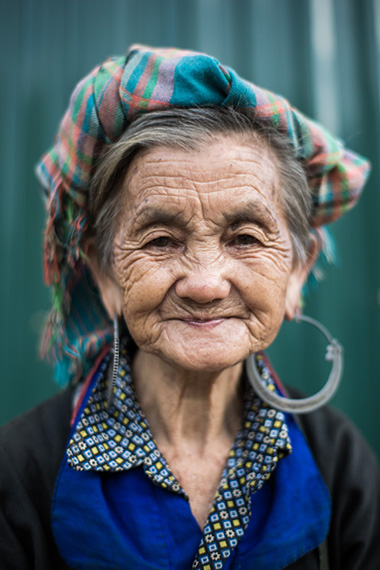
(337, 442)
(41, 432)
(351, 472)
(31, 451)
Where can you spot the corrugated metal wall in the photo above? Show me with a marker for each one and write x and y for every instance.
(324, 55)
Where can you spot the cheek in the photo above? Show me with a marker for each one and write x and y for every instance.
(263, 286)
(144, 284)
(264, 279)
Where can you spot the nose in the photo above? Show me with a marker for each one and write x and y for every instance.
(204, 284)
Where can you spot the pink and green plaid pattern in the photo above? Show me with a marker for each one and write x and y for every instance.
(101, 107)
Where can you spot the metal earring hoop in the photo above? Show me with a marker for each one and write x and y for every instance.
(115, 364)
(334, 353)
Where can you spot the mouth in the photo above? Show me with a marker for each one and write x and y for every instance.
(204, 322)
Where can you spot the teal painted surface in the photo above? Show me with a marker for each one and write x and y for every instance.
(324, 55)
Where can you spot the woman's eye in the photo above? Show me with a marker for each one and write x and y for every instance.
(161, 242)
(245, 239)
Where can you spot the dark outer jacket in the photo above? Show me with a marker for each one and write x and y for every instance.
(31, 452)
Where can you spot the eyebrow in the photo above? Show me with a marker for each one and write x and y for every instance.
(252, 212)
(152, 216)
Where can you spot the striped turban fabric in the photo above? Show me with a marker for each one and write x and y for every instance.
(102, 106)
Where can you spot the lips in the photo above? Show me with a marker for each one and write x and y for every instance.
(204, 322)
(204, 319)
(202, 315)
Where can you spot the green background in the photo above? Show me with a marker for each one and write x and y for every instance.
(324, 55)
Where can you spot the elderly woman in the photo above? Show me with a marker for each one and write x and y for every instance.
(185, 206)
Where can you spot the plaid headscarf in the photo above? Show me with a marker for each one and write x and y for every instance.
(102, 106)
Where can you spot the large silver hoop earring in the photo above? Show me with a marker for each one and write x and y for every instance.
(115, 364)
(334, 353)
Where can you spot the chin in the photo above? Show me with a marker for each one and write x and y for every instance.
(203, 359)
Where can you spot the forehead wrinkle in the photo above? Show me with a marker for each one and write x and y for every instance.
(157, 178)
(156, 172)
(254, 210)
(157, 160)
(198, 174)
(182, 183)
(181, 188)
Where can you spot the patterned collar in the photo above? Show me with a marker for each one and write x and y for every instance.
(119, 439)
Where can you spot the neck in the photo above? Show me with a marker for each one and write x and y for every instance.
(198, 409)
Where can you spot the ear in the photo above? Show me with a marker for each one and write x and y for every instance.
(297, 280)
(109, 289)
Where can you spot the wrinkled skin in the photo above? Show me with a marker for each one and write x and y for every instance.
(203, 260)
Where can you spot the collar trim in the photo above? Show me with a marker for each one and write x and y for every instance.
(119, 438)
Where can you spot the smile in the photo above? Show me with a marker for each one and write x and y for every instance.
(204, 322)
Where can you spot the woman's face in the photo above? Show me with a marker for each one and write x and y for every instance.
(203, 260)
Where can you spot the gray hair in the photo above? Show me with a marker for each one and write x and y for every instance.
(188, 129)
